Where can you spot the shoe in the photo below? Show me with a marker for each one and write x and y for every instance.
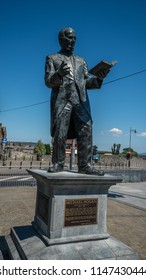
(91, 171)
(55, 168)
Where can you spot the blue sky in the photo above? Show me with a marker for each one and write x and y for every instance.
(105, 30)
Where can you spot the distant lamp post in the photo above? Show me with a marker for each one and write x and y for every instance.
(129, 153)
(131, 130)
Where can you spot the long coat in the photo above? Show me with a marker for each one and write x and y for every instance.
(59, 96)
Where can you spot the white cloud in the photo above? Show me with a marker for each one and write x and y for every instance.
(143, 134)
(116, 131)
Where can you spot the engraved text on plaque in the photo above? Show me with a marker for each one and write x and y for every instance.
(80, 212)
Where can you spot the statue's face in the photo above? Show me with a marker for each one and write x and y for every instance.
(68, 41)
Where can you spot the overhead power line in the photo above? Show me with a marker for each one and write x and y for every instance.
(43, 102)
(22, 107)
(125, 77)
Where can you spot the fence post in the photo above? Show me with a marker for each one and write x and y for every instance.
(40, 164)
(21, 165)
(4, 163)
(10, 164)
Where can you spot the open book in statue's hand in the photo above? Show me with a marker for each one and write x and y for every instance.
(102, 66)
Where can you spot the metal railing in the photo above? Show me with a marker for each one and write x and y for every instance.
(17, 175)
(15, 178)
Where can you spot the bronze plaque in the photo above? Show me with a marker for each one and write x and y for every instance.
(79, 212)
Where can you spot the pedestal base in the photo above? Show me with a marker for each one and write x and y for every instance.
(25, 243)
(71, 207)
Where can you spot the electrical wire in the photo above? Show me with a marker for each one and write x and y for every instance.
(125, 77)
(43, 102)
(22, 107)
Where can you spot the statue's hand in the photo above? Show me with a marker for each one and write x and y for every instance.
(63, 69)
(102, 74)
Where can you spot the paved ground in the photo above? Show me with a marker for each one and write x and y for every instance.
(131, 193)
(126, 222)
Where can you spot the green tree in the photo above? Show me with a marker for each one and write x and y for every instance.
(116, 149)
(40, 149)
(127, 150)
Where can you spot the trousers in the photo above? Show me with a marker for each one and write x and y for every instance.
(83, 132)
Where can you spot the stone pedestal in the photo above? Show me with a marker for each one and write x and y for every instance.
(70, 220)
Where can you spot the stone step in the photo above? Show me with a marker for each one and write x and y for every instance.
(12, 250)
(23, 242)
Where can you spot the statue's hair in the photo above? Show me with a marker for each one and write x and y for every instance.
(63, 31)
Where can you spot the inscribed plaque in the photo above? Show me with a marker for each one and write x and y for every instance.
(80, 212)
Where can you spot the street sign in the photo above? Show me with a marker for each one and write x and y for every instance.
(4, 140)
(97, 156)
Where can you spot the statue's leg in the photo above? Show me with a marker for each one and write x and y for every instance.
(84, 142)
(60, 137)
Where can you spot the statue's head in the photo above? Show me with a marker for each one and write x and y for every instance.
(67, 39)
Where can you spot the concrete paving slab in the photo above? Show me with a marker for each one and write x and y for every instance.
(130, 193)
(30, 246)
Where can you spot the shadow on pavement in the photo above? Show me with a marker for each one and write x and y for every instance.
(4, 248)
(114, 195)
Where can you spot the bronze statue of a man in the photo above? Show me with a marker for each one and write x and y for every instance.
(67, 75)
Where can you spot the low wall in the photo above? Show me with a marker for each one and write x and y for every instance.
(129, 175)
(114, 160)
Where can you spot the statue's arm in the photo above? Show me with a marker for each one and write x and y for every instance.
(52, 78)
